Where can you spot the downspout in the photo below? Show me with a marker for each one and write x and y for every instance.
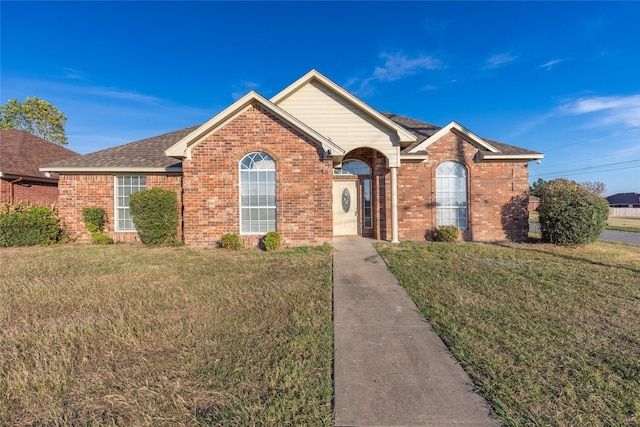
(11, 189)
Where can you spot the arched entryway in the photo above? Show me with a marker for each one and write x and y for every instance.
(362, 195)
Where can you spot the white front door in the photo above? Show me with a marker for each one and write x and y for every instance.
(345, 207)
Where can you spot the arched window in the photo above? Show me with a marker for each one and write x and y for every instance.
(451, 195)
(257, 194)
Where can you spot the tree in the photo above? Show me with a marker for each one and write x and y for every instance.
(35, 116)
(596, 187)
(535, 189)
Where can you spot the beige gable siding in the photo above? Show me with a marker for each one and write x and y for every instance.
(335, 118)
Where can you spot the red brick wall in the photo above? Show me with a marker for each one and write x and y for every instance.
(80, 191)
(41, 193)
(497, 194)
(303, 182)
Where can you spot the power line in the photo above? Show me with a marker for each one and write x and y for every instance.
(586, 168)
(615, 132)
(560, 174)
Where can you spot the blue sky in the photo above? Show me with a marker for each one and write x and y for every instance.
(562, 78)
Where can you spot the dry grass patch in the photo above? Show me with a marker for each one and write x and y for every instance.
(549, 334)
(128, 335)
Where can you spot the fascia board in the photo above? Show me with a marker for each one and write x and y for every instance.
(414, 157)
(491, 156)
(403, 134)
(458, 130)
(89, 170)
(181, 149)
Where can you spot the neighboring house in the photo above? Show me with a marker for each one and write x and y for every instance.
(21, 154)
(312, 162)
(534, 203)
(624, 200)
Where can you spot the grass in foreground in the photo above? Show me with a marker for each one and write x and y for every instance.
(126, 335)
(550, 335)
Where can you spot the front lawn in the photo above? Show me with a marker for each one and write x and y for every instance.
(550, 335)
(126, 335)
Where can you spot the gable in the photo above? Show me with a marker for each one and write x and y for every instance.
(182, 149)
(342, 117)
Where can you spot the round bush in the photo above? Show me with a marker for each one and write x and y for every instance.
(571, 214)
(271, 240)
(231, 241)
(446, 233)
(94, 219)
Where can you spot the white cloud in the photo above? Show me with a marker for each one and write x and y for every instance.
(123, 95)
(549, 65)
(398, 65)
(498, 60)
(611, 109)
(243, 88)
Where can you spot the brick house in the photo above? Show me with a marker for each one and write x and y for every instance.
(21, 154)
(312, 162)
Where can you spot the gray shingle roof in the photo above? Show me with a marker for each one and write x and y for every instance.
(424, 130)
(144, 154)
(148, 154)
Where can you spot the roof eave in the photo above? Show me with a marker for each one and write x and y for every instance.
(483, 155)
(403, 134)
(121, 169)
(459, 130)
(180, 149)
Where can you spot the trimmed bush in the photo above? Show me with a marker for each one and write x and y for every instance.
(94, 219)
(99, 238)
(27, 225)
(570, 214)
(271, 241)
(446, 233)
(231, 241)
(155, 215)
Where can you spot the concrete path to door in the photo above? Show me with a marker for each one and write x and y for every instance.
(390, 368)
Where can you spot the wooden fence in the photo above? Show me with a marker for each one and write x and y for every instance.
(625, 212)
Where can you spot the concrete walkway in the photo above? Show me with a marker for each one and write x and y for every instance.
(390, 368)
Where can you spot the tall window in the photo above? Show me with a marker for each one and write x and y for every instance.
(125, 186)
(451, 195)
(257, 194)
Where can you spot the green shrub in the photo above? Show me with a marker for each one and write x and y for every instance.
(570, 214)
(26, 225)
(271, 241)
(446, 233)
(94, 219)
(231, 241)
(155, 215)
(99, 238)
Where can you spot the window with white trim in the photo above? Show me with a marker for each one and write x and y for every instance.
(257, 194)
(451, 195)
(125, 185)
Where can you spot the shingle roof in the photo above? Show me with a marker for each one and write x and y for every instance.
(144, 154)
(424, 130)
(148, 154)
(21, 154)
(624, 199)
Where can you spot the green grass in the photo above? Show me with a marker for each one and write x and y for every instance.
(549, 335)
(126, 335)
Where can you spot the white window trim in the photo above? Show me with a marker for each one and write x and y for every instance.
(116, 208)
(466, 184)
(240, 206)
